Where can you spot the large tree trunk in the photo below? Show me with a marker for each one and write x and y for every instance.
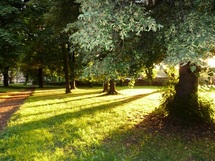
(105, 86)
(112, 89)
(6, 77)
(66, 69)
(188, 82)
(41, 83)
(185, 102)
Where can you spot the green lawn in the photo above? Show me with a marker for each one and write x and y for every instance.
(12, 88)
(90, 126)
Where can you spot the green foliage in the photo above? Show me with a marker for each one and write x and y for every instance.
(10, 33)
(102, 23)
(108, 68)
(190, 37)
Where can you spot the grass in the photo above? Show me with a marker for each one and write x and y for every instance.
(89, 126)
(14, 88)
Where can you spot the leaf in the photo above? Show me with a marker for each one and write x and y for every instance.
(193, 68)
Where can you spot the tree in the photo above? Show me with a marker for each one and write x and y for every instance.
(187, 36)
(103, 29)
(10, 37)
(59, 15)
(189, 41)
(37, 40)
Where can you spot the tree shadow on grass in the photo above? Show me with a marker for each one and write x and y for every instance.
(62, 96)
(158, 137)
(83, 111)
(54, 124)
(72, 98)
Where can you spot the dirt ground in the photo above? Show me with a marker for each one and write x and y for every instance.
(9, 105)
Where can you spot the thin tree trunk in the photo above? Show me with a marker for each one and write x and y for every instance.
(72, 67)
(112, 89)
(66, 69)
(6, 77)
(41, 83)
(26, 78)
(73, 84)
(149, 75)
(11, 77)
(121, 82)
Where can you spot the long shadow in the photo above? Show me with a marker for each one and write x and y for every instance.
(51, 121)
(63, 101)
(158, 137)
(139, 96)
(74, 98)
(62, 95)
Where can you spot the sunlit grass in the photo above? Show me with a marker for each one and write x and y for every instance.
(5, 92)
(88, 125)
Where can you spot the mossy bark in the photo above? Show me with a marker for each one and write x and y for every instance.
(185, 102)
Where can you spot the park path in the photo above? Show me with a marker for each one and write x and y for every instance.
(9, 105)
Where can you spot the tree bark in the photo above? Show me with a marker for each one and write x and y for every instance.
(66, 69)
(41, 83)
(6, 77)
(188, 82)
(149, 74)
(112, 89)
(105, 87)
(73, 84)
(185, 101)
(26, 78)
(11, 77)
(121, 82)
(72, 68)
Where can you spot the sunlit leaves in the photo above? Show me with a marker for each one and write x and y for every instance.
(191, 39)
(103, 22)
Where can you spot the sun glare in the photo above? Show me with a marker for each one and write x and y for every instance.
(211, 62)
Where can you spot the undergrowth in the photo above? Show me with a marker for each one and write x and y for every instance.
(198, 108)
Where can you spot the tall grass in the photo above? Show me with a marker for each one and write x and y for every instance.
(88, 125)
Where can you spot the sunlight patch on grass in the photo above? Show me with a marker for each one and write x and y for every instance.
(88, 125)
